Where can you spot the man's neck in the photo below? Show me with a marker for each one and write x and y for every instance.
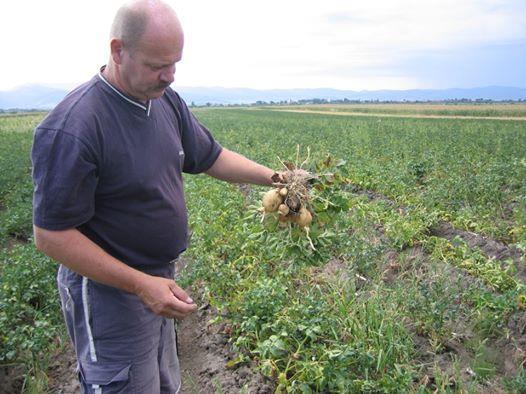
(112, 76)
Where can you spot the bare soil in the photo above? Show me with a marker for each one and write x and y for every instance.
(204, 354)
(11, 379)
(14, 241)
(454, 355)
(62, 376)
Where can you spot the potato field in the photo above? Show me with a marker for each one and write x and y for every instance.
(412, 277)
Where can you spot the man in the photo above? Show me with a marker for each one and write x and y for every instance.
(109, 206)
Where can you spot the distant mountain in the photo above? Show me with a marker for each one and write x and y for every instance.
(31, 97)
(42, 97)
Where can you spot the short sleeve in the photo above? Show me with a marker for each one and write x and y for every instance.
(201, 150)
(64, 180)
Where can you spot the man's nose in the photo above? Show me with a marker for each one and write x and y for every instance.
(167, 75)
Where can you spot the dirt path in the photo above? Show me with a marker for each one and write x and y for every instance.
(204, 353)
(384, 115)
(492, 248)
(61, 374)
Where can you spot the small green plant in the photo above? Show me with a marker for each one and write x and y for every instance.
(484, 363)
(30, 318)
(517, 383)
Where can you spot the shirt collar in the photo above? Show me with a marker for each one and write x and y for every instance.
(146, 107)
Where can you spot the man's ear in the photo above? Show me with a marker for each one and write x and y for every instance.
(116, 50)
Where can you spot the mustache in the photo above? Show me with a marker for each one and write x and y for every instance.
(162, 86)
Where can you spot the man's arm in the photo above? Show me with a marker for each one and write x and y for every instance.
(77, 252)
(233, 167)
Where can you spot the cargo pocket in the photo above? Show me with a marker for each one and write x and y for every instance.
(105, 377)
(68, 308)
(65, 298)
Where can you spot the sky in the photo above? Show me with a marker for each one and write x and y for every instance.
(350, 45)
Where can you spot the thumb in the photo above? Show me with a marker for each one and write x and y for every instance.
(180, 293)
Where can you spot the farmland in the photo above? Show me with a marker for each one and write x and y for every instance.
(417, 280)
(513, 110)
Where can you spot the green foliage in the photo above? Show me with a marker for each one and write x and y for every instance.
(349, 315)
(16, 218)
(15, 181)
(30, 318)
(315, 330)
(469, 172)
(297, 329)
(490, 270)
(29, 308)
(517, 383)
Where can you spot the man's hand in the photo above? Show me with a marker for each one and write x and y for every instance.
(165, 298)
(282, 178)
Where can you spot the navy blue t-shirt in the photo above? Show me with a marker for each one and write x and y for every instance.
(112, 168)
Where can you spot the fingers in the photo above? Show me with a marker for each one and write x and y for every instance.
(180, 304)
(282, 177)
(178, 309)
(180, 293)
(174, 308)
(165, 298)
(185, 304)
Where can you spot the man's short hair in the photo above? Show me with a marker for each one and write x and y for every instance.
(128, 26)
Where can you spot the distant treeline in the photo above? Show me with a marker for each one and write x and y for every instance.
(347, 101)
(14, 111)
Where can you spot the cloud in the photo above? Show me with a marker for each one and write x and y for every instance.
(348, 44)
(414, 25)
(344, 18)
(485, 65)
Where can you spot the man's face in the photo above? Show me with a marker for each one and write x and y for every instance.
(149, 68)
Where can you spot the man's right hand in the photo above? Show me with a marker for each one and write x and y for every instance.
(165, 298)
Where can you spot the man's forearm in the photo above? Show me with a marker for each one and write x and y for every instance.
(233, 167)
(77, 252)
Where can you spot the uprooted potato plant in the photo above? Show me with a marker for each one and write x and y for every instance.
(291, 198)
